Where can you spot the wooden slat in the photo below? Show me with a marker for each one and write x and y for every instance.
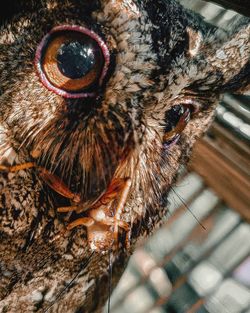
(232, 148)
(223, 175)
(241, 6)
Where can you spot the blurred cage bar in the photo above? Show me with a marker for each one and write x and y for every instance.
(199, 260)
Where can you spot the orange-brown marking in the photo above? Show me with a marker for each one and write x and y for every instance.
(103, 220)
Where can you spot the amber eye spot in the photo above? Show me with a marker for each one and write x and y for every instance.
(72, 61)
(176, 120)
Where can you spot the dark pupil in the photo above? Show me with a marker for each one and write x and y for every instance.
(75, 59)
(173, 116)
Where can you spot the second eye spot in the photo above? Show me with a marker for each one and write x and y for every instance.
(176, 120)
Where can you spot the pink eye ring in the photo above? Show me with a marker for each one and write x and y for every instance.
(72, 61)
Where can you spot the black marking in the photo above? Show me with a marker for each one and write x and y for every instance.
(240, 80)
(163, 15)
(76, 59)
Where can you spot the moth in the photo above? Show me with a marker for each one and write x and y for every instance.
(101, 103)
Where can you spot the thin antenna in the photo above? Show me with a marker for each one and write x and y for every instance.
(84, 265)
(187, 207)
(110, 279)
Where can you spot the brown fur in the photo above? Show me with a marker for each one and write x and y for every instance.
(89, 142)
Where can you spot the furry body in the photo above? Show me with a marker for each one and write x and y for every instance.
(161, 55)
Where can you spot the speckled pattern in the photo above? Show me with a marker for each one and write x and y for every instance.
(161, 55)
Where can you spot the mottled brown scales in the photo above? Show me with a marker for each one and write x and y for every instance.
(102, 163)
